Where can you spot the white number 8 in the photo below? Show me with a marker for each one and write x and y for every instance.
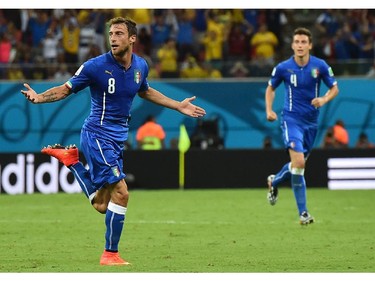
(111, 86)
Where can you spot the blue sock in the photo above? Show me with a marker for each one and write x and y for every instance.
(282, 175)
(84, 180)
(299, 189)
(114, 221)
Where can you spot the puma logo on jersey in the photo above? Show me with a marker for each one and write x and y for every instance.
(108, 72)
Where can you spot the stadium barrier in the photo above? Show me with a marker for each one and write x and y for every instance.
(238, 105)
(27, 173)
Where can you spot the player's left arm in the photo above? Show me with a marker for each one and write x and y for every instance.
(184, 107)
(330, 81)
(330, 95)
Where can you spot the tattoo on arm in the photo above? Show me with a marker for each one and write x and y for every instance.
(49, 97)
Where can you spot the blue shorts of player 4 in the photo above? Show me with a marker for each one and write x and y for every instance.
(299, 134)
(104, 157)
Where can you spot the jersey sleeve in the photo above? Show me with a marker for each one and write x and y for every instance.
(276, 77)
(144, 85)
(327, 75)
(81, 79)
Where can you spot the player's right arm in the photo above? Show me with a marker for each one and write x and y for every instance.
(51, 95)
(269, 98)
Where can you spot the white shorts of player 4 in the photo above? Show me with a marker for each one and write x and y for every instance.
(272, 191)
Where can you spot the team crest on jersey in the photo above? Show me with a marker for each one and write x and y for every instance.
(315, 73)
(137, 76)
(116, 171)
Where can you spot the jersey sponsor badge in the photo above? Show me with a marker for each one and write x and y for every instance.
(330, 71)
(137, 76)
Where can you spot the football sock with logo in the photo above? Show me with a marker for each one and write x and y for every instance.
(299, 189)
(114, 221)
(282, 175)
(83, 178)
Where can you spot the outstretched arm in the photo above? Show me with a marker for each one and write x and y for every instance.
(51, 95)
(184, 107)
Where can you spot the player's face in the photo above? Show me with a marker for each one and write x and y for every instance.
(301, 45)
(120, 40)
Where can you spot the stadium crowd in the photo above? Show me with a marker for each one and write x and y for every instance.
(50, 44)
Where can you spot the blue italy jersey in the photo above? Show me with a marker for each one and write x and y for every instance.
(302, 84)
(112, 92)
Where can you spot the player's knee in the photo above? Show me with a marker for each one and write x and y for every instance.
(100, 207)
(122, 197)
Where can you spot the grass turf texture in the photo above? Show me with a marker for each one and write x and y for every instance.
(192, 231)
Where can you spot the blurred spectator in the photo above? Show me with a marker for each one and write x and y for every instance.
(267, 143)
(151, 135)
(213, 48)
(329, 139)
(160, 33)
(15, 73)
(50, 47)
(5, 54)
(143, 18)
(211, 72)
(167, 56)
(276, 20)
(152, 71)
(62, 74)
(5, 48)
(14, 34)
(87, 35)
(263, 45)
(199, 25)
(346, 44)
(38, 24)
(340, 134)
(171, 20)
(363, 141)
(238, 70)
(93, 52)
(100, 18)
(238, 41)
(184, 38)
(328, 22)
(144, 42)
(70, 40)
(191, 69)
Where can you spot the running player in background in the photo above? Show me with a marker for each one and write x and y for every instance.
(302, 75)
(114, 79)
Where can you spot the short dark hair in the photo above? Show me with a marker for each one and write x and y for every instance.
(303, 31)
(130, 24)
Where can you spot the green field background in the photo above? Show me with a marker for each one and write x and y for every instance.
(192, 231)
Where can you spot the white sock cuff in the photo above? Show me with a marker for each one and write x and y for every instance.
(117, 209)
(298, 171)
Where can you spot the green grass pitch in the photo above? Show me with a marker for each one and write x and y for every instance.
(192, 231)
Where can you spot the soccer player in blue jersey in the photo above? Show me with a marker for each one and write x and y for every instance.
(302, 75)
(114, 79)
